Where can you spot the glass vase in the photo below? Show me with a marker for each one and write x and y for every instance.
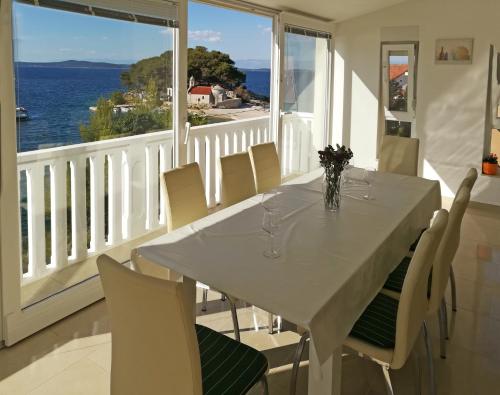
(332, 184)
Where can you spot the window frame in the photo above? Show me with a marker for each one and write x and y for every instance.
(400, 116)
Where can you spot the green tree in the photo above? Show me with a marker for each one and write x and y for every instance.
(118, 98)
(152, 95)
(158, 68)
(101, 122)
(213, 67)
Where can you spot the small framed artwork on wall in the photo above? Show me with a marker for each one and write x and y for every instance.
(454, 51)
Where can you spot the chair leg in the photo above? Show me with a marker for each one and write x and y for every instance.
(453, 290)
(265, 386)
(430, 361)
(204, 300)
(442, 332)
(445, 310)
(236, 325)
(296, 362)
(270, 323)
(387, 377)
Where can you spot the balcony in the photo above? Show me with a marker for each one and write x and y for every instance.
(63, 228)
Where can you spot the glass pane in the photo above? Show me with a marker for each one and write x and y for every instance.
(80, 80)
(305, 88)
(398, 81)
(397, 128)
(229, 61)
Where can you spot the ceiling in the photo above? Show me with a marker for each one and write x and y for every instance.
(331, 10)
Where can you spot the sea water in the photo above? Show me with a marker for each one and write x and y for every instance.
(58, 100)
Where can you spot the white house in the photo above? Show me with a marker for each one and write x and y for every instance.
(200, 96)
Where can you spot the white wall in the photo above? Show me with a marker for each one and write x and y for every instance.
(451, 99)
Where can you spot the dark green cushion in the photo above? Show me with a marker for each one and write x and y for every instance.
(397, 277)
(377, 324)
(228, 366)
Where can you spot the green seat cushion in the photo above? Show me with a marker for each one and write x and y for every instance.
(377, 324)
(228, 366)
(397, 277)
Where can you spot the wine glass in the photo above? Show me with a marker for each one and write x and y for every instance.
(269, 201)
(369, 178)
(271, 224)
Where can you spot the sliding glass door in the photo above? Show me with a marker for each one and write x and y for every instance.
(305, 91)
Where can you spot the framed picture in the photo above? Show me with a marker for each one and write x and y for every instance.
(454, 51)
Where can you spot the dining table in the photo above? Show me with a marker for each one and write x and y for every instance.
(331, 264)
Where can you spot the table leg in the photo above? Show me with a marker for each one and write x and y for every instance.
(189, 289)
(325, 379)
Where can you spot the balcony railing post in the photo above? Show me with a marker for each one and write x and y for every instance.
(97, 199)
(58, 213)
(36, 220)
(79, 208)
(212, 168)
(137, 182)
(152, 176)
(115, 197)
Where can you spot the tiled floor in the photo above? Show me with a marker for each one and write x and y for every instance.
(73, 356)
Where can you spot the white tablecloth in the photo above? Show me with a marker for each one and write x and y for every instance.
(332, 264)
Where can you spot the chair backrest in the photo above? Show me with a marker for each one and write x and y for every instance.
(236, 178)
(266, 166)
(399, 155)
(413, 302)
(184, 195)
(469, 180)
(447, 249)
(154, 344)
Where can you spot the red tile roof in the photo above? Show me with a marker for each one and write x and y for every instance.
(201, 90)
(397, 70)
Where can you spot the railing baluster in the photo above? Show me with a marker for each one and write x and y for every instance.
(166, 161)
(191, 150)
(201, 158)
(115, 197)
(211, 168)
(137, 179)
(220, 149)
(78, 208)
(58, 213)
(284, 162)
(36, 220)
(97, 200)
(152, 176)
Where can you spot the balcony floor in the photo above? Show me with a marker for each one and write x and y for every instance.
(74, 356)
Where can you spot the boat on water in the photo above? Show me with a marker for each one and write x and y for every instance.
(22, 114)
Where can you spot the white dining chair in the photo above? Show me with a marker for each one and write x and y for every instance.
(266, 166)
(157, 348)
(387, 330)
(185, 202)
(237, 180)
(399, 155)
(467, 182)
(441, 266)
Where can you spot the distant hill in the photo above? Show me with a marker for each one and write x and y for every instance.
(75, 64)
(260, 70)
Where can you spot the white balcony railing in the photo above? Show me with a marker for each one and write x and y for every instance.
(62, 225)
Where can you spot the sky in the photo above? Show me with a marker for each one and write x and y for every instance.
(46, 35)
